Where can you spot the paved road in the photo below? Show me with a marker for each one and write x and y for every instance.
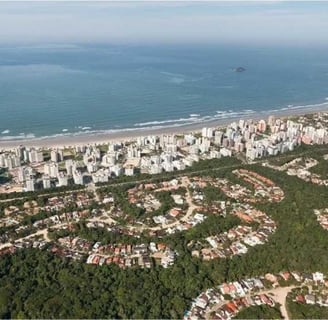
(54, 194)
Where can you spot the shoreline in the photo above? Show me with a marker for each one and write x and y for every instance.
(102, 137)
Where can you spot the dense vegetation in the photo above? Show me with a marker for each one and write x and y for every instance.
(37, 284)
(4, 176)
(260, 312)
(103, 236)
(321, 168)
(211, 226)
(305, 311)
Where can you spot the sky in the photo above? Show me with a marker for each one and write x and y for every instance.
(67, 22)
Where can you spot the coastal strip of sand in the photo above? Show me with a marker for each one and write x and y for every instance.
(102, 137)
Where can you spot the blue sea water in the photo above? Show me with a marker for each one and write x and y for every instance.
(61, 89)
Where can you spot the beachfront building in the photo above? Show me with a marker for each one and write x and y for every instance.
(92, 167)
(30, 183)
(78, 177)
(101, 176)
(117, 170)
(56, 155)
(133, 152)
(24, 172)
(69, 165)
(46, 182)
(129, 170)
(35, 156)
(20, 152)
(62, 179)
(51, 169)
(261, 126)
(109, 159)
(207, 132)
(9, 160)
(154, 154)
(155, 169)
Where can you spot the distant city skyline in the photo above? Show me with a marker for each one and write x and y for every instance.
(265, 22)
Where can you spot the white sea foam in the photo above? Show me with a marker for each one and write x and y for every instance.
(5, 131)
(19, 137)
(308, 107)
(65, 130)
(195, 118)
(175, 123)
(143, 124)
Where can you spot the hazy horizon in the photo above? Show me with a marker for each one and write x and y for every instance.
(255, 23)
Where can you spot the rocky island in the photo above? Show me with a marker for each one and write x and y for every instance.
(239, 69)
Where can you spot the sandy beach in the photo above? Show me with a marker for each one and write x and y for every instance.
(129, 134)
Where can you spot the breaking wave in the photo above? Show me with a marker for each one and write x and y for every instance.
(196, 120)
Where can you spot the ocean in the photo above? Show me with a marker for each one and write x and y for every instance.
(49, 90)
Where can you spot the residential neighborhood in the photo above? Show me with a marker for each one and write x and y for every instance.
(237, 240)
(32, 222)
(227, 299)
